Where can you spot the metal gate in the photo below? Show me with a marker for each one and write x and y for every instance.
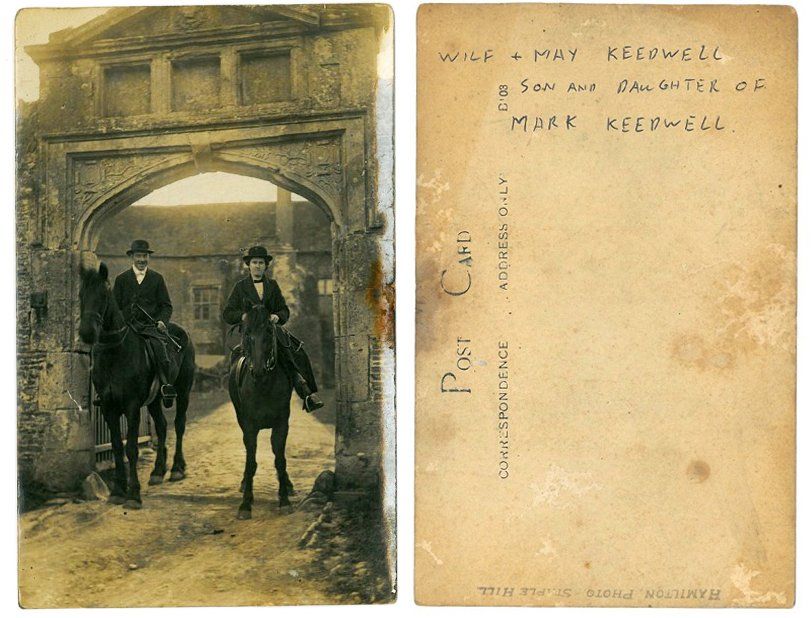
(104, 445)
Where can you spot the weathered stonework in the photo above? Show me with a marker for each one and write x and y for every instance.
(85, 153)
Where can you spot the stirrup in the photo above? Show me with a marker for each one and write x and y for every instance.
(168, 395)
(312, 402)
(168, 391)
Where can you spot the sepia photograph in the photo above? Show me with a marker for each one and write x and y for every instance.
(205, 306)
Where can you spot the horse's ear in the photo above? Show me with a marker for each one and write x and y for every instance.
(103, 271)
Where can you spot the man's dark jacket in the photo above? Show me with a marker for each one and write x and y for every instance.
(244, 296)
(151, 295)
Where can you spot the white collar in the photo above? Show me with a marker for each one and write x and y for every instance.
(140, 272)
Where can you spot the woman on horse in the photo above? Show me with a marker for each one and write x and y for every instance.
(258, 288)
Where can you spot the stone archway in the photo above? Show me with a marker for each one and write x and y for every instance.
(139, 97)
(90, 179)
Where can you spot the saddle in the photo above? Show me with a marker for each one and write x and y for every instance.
(174, 342)
(236, 375)
(176, 334)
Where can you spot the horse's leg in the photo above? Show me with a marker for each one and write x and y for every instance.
(279, 436)
(119, 490)
(157, 414)
(134, 486)
(179, 463)
(249, 439)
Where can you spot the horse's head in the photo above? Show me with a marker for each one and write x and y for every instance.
(95, 299)
(259, 341)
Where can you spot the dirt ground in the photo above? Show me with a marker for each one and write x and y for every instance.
(186, 547)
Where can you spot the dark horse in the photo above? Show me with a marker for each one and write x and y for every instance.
(260, 391)
(125, 380)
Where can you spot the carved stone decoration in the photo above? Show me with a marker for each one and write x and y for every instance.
(326, 89)
(189, 18)
(93, 178)
(318, 161)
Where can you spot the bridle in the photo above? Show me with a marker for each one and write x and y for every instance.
(270, 360)
(106, 339)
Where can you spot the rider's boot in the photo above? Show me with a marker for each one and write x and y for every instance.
(168, 392)
(236, 352)
(311, 400)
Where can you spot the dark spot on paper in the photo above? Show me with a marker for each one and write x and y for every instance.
(587, 565)
(443, 427)
(698, 471)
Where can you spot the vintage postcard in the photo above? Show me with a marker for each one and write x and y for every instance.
(606, 294)
(205, 305)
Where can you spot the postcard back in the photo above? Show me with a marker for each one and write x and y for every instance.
(606, 241)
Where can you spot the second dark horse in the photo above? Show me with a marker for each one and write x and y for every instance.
(260, 391)
(125, 380)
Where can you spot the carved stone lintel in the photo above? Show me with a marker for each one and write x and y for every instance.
(94, 177)
(318, 161)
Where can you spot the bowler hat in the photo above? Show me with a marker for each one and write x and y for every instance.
(257, 252)
(139, 246)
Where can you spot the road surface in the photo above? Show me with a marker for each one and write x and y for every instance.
(186, 547)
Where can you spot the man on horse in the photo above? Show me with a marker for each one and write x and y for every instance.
(258, 288)
(142, 296)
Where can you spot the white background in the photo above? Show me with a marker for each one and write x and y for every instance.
(405, 127)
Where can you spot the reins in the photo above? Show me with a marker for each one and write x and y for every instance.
(111, 339)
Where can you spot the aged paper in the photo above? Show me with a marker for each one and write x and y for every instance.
(606, 305)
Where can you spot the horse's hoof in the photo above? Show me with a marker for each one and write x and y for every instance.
(156, 479)
(132, 504)
(286, 509)
(177, 475)
(241, 514)
(114, 499)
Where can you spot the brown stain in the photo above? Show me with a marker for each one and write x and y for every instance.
(428, 303)
(442, 428)
(380, 298)
(697, 471)
(754, 310)
(587, 565)
(757, 301)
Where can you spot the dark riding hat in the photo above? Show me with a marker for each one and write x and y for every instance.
(139, 246)
(257, 252)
